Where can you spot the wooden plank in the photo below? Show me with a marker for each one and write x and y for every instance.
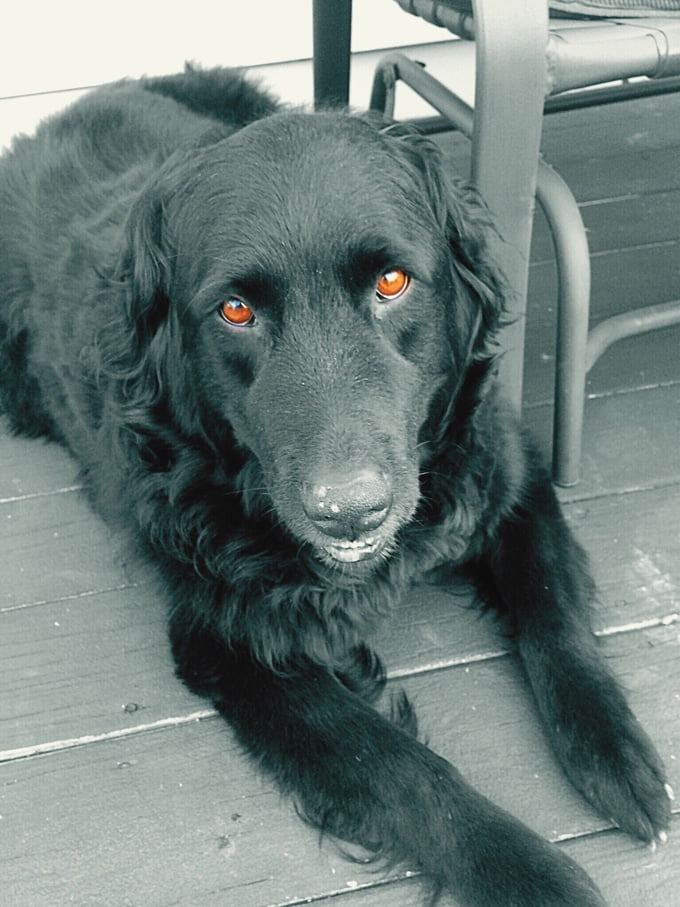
(618, 223)
(180, 817)
(636, 571)
(627, 438)
(87, 666)
(620, 173)
(633, 542)
(54, 547)
(174, 817)
(101, 663)
(642, 362)
(603, 152)
(404, 892)
(630, 441)
(630, 153)
(31, 466)
(645, 361)
(620, 282)
(596, 132)
(632, 876)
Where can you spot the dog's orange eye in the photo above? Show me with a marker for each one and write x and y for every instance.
(392, 285)
(236, 311)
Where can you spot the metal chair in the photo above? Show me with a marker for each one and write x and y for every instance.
(526, 59)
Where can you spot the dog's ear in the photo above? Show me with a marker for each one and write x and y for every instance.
(468, 226)
(144, 265)
(141, 345)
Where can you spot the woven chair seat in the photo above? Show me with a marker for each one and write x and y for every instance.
(644, 42)
(609, 9)
(616, 9)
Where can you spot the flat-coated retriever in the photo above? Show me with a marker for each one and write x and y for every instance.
(268, 337)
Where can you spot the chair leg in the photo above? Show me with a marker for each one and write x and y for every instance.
(511, 41)
(332, 38)
(573, 308)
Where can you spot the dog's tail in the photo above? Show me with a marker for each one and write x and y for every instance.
(226, 95)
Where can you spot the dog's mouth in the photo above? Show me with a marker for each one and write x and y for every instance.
(351, 552)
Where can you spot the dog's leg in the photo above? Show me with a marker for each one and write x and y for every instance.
(537, 574)
(361, 778)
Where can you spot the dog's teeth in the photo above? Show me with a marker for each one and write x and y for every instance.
(351, 551)
(358, 543)
(669, 792)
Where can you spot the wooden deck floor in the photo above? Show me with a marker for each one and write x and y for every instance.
(117, 787)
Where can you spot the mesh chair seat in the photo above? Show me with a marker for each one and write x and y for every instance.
(610, 9)
(643, 38)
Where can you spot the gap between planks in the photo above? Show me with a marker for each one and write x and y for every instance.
(74, 596)
(604, 394)
(601, 253)
(67, 489)
(569, 496)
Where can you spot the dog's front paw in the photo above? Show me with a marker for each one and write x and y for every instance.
(614, 764)
(626, 782)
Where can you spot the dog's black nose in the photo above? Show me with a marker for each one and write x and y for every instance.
(348, 505)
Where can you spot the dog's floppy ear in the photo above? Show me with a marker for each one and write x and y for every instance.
(468, 226)
(141, 346)
(144, 265)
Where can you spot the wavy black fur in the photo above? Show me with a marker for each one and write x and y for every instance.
(126, 222)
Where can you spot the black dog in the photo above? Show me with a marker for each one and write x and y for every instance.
(267, 338)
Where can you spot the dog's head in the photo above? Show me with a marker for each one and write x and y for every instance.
(314, 289)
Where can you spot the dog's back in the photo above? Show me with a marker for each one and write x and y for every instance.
(222, 94)
(112, 138)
